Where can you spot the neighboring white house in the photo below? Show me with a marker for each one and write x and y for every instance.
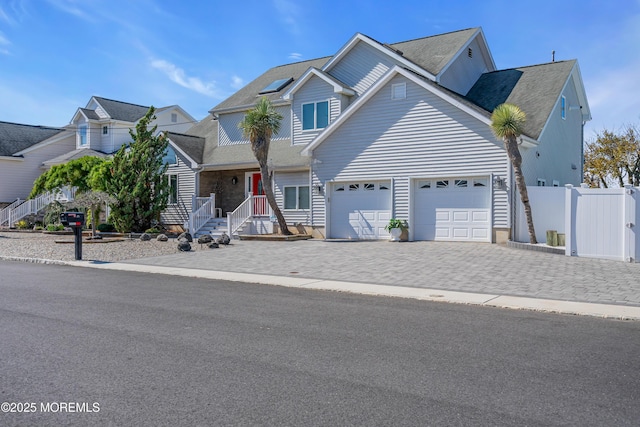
(23, 151)
(98, 129)
(392, 130)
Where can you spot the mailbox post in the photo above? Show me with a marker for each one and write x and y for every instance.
(75, 220)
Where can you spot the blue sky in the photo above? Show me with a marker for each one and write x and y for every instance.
(56, 54)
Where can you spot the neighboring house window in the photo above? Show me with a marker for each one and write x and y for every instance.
(542, 182)
(172, 180)
(170, 157)
(105, 130)
(563, 107)
(315, 115)
(296, 197)
(174, 118)
(399, 91)
(82, 133)
(556, 183)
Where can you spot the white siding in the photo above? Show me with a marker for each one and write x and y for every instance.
(560, 146)
(361, 67)
(163, 120)
(17, 177)
(179, 213)
(286, 179)
(314, 90)
(419, 136)
(462, 74)
(230, 134)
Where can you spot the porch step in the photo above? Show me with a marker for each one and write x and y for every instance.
(214, 228)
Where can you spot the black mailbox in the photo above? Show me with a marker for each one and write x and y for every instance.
(72, 219)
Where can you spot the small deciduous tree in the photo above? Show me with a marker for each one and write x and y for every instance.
(259, 124)
(613, 158)
(93, 201)
(507, 122)
(136, 178)
(74, 173)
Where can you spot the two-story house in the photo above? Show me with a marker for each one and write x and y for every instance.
(391, 130)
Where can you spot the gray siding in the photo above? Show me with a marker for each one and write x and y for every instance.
(314, 90)
(230, 134)
(286, 179)
(461, 75)
(560, 146)
(179, 213)
(361, 67)
(420, 136)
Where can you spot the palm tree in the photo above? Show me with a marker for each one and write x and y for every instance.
(259, 124)
(507, 122)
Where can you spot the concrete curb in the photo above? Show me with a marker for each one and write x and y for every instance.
(607, 311)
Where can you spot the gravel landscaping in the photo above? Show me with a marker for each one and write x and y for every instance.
(44, 246)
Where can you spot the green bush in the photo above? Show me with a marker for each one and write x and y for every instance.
(106, 228)
(55, 227)
(152, 231)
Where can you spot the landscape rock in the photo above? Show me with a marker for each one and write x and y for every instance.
(185, 237)
(224, 239)
(205, 239)
(162, 238)
(214, 245)
(145, 237)
(184, 246)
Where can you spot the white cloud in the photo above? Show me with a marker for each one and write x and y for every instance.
(177, 75)
(3, 43)
(237, 82)
(295, 56)
(290, 14)
(69, 6)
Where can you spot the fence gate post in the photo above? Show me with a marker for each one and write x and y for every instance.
(629, 241)
(569, 222)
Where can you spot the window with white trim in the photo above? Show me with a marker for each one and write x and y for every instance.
(296, 197)
(542, 182)
(172, 182)
(170, 157)
(556, 183)
(105, 130)
(399, 91)
(82, 133)
(174, 118)
(563, 107)
(315, 115)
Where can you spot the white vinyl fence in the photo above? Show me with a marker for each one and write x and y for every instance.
(597, 223)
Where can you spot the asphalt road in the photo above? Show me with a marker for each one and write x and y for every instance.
(158, 350)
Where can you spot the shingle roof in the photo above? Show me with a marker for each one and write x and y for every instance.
(90, 114)
(434, 52)
(124, 111)
(535, 89)
(75, 154)
(16, 137)
(193, 146)
(249, 94)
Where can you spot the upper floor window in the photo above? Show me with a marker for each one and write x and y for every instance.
(563, 107)
(399, 91)
(82, 133)
(170, 157)
(315, 115)
(105, 130)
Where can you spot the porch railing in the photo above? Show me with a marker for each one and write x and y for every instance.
(204, 208)
(33, 206)
(252, 206)
(4, 213)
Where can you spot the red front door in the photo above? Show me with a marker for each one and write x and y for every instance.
(259, 203)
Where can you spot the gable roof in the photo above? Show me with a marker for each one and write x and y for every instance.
(535, 89)
(123, 111)
(247, 96)
(190, 145)
(16, 137)
(73, 155)
(338, 86)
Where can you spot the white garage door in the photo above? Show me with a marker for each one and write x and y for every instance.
(360, 210)
(454, 209)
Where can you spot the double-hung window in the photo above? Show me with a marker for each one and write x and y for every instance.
(296, 197)
(315, 115)
(82, 133)
(172, 181)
